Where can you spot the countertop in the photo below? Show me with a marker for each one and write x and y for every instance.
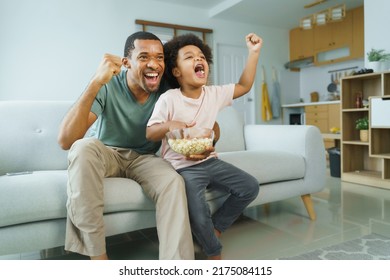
(302, 104)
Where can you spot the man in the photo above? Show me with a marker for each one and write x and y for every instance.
(122, 102)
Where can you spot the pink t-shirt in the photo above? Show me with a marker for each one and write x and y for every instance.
(173, 105)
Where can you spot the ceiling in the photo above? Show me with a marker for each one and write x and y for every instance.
(272, 13)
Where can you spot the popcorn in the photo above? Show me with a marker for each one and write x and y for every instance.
(192, 146)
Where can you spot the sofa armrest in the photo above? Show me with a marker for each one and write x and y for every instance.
(305, 140)
(289, 138)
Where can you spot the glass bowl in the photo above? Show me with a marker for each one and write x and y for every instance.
(191, 140)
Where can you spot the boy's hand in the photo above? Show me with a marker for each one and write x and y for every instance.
(205, 155)
(253, 42)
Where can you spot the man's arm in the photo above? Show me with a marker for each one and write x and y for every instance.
(254, 44)
(80, 118)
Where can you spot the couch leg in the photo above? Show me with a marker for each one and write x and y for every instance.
(306, 198)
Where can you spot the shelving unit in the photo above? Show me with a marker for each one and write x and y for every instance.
(364, 162)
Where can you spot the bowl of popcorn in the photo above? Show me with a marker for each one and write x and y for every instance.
(190, 140)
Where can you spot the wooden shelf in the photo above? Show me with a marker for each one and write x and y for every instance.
(365, 173)
(366, 177)
(334, 136)
(356, 110)
(387, 156)
(366, 163)
(357, 142)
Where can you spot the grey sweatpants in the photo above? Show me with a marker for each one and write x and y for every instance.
(89, 162)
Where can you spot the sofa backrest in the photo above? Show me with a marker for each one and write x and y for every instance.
(231, 125)
(29, 132)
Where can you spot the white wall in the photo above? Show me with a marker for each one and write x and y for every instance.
(51, 48)
(318, 78)
(376, 22)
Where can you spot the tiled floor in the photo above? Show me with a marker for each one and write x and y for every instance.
(344, 211)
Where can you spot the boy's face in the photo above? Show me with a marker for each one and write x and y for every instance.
(146, 65)
(192, 68)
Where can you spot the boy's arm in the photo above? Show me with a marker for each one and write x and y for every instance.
(157, 131)
(254, 44)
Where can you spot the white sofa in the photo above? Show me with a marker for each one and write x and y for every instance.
(288, 161)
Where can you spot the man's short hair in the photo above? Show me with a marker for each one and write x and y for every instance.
(140, 35)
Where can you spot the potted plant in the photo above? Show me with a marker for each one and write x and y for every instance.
(362, 125)
(377, 59)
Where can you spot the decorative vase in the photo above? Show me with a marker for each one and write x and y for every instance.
(364, 135)
(377, 66)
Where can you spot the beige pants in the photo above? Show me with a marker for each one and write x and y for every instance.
(89, 162)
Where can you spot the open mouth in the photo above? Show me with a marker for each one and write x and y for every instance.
(199, 71)
(152, 77)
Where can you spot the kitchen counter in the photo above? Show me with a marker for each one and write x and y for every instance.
(303, 104)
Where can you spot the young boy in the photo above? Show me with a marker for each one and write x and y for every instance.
(193, 103)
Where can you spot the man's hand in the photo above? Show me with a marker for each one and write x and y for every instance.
(109, 67)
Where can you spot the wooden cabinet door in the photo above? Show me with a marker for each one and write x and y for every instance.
(357, 49)
(301, 43)
(342, 32)
(333, 116)
(322, 37)
(333, 35)
(317, 115)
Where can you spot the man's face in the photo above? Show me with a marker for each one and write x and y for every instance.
(146, 65)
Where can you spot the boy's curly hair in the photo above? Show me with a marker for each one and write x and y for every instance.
(171, 50)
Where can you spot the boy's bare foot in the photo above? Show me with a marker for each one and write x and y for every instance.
(217, 233)
(218, 257)
(101, 257)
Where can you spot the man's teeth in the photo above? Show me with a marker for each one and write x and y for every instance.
(152, 75)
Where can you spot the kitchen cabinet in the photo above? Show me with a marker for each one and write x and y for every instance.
(334, 35)
(330, 43)
(317, 115)
(357, 49)
(324, 117)
(367, 162)
(301, 43)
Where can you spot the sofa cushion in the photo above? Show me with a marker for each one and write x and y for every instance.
(29, 131)
(232, 131)
(42, 196)
(268, 166)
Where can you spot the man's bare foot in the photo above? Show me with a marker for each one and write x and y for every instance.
(217, 233)
(218, 257)
(101, 257)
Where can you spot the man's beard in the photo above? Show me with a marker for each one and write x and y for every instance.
(152, 89)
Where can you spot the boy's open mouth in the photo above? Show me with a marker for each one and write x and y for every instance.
(199, 71)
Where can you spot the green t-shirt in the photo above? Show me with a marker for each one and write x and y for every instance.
(121, 119)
